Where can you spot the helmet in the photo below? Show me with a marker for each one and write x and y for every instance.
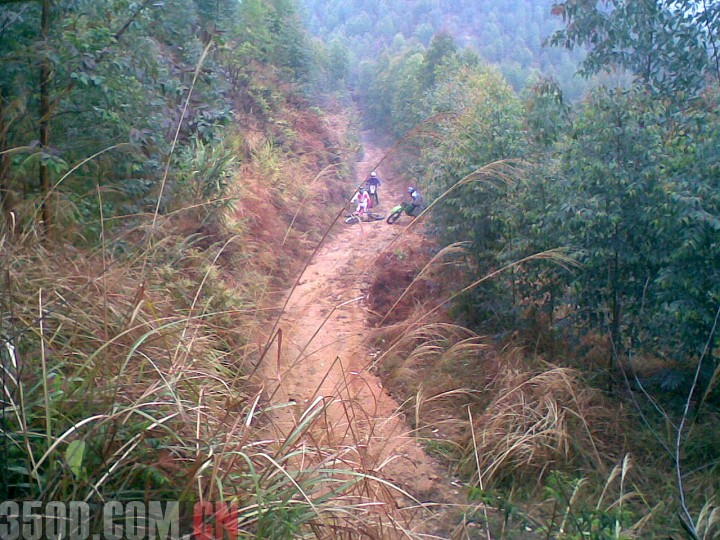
(373, 174)
(411, 189)
(361, 189)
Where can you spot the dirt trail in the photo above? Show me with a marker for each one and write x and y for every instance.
(324, 355)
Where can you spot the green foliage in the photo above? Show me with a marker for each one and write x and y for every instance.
(547, 114)
(204, 170)
(442, 49)
(216, 14)
(439, 448)
(485, 125)
(578, 519)
(394, 87)
(669, 45)
(610, 182)
(509, 35)
(689, 282)
(203, 174)
(271, 32)
(487, 128)
(120, 75)
(611, 197)
(569, 512)
(339, 58)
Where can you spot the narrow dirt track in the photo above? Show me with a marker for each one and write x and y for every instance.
(325, 356)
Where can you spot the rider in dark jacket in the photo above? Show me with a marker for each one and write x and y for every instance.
(373, 183)
(415, 200)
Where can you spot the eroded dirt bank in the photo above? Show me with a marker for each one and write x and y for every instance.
(325, 359)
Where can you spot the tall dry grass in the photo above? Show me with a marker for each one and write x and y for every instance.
(537, 447)
(537, 420)
(122, 385)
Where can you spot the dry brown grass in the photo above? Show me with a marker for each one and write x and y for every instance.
(530, 417)
(537, 420)
(118, 344)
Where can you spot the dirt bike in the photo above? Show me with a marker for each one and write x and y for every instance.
(356, 217)
(372, 190)
(397, 211)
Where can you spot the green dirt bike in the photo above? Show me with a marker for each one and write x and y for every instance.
(397, 211)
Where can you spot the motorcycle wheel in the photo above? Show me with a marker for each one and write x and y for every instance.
(352, 219)
(392, 218)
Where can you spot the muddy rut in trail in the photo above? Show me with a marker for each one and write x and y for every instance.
(325, 357)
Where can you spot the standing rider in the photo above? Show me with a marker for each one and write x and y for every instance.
(415, 200)
(373, 183)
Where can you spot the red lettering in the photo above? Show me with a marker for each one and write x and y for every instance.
(215, 521)
(226, 519)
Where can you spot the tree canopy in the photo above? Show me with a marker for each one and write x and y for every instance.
(509, 35)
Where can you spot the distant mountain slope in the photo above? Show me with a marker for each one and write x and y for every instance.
(509, 33)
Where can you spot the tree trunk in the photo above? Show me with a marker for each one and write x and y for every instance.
(4, 169)
(615, 323)
(513, 291)
(45, 75)
(713, 42)
(704, 382)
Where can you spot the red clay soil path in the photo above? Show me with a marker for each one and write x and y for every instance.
(324, 354)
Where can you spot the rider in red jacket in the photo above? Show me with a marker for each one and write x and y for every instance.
(362, 198)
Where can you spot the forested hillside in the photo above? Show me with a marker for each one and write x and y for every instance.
(592, 235)
(508, 34)
(145, 87)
